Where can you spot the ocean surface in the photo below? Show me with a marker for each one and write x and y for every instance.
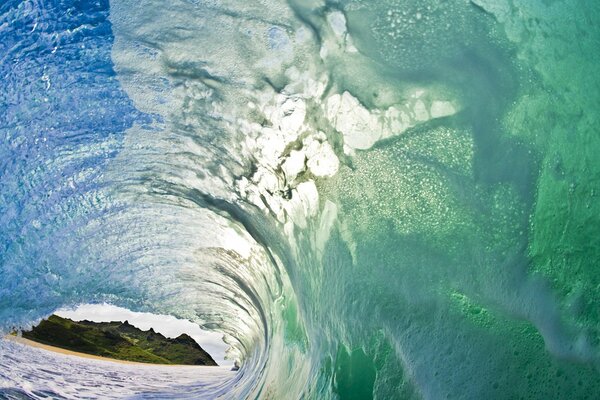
(386, 199)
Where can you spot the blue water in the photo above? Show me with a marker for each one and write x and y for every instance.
(367, 199)
(63, 117)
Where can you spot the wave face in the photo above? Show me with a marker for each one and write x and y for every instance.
(369, 199)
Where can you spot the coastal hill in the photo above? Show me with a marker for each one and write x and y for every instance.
(118, 340)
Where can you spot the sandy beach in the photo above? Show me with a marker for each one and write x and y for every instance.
(46, 347)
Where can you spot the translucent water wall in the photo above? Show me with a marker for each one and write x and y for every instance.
(369, 199)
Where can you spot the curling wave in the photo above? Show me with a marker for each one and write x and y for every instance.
(355, 194)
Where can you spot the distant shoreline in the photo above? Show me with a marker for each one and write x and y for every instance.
(59, 350)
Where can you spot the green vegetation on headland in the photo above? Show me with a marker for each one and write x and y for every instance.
(118, 340)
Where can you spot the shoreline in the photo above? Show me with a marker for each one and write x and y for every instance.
(28, 342)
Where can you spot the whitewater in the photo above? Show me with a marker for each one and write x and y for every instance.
(387, 199)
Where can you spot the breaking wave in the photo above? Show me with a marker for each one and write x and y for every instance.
(388, 199)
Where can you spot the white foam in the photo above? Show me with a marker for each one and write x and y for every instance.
(279, 185)
(337, 22)
(323, 163)
(287, 114)
(33, 369)
(303, 204)
(420, 111)
(294, 164)
(361, 128)
(440, 109)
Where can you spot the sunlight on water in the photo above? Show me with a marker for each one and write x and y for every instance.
(365, 199)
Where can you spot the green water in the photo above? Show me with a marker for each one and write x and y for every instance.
(466, 265)
(389, 199)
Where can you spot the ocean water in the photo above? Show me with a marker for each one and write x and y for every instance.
(385, 199)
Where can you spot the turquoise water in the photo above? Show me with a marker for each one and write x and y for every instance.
(369, 199)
